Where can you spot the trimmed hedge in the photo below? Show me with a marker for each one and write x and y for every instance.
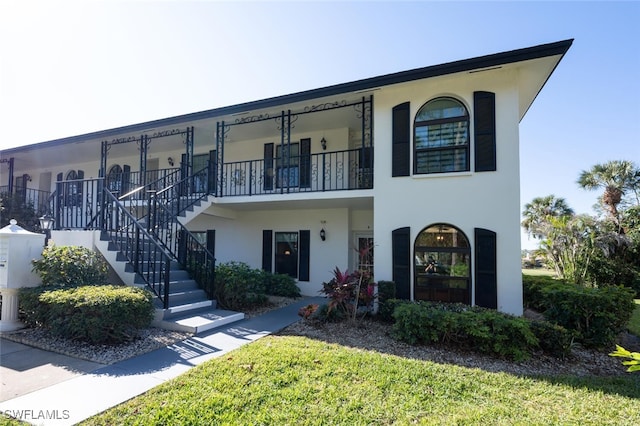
(597, 315)
(70, 266)
(280, 285)
(238, 286)
(93, 314)
(472, 328)
(386, 297)
(594, 316)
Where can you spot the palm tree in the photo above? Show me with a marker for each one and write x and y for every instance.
(538, 212)
(616, 178)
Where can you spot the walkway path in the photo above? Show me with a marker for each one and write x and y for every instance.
(51, 389)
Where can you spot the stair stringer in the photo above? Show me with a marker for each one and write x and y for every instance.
(118, 266)
(206, 206)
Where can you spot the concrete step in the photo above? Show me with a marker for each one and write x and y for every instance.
(199, 321)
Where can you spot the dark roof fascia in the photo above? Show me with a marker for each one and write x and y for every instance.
(487, 61)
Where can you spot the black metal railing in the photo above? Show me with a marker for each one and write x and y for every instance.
(148, 258)
(190, 252)
(184, 193)
(152, 180)
(76, 204)
(27, 197)
(326, 171)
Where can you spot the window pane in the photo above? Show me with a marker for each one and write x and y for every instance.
(441, 108)
(442, 265)
(438, 161)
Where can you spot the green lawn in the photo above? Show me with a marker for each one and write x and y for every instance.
(538, 271)
(282, 380)
(634, 322)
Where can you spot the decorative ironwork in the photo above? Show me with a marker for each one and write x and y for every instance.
(288, 125)
(124, 140)
(165, 133)
(252, 119)
(325, 106)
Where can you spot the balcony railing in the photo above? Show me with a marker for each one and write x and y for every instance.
(153, 180)
(38, 200)
(330, 171)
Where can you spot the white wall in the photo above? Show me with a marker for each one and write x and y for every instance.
(240, 239)
(466, 200)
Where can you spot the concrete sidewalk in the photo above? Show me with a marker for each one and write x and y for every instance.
(51, 389)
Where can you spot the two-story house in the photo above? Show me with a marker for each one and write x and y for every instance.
(422, 166)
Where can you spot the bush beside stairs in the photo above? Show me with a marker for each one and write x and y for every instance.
(189, 309)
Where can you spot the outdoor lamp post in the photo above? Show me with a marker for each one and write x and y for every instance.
(46, 224)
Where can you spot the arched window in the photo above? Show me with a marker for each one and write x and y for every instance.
(442, 265)
(114, 178)
(72, 188)
(441, 140)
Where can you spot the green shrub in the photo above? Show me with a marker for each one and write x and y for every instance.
(596, 315)
(238, 286)
(552, 338)
(93, 314)
(420, 322)
(533, 287)
(280, 285)
(481, 330)
(386, 298)
(70, 266)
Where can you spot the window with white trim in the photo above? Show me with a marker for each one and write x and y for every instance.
(441, 137)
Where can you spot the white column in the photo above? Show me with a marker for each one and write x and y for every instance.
(9, 319)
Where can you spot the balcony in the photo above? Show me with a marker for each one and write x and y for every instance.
(326, 171)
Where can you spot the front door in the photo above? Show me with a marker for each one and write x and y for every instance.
(363, 260)
(287, 253)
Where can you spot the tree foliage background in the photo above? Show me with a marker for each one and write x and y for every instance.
(593, 250)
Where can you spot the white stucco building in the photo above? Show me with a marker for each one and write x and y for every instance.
(422, 164)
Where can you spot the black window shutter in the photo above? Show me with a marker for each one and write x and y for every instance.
(79, 187)
(305, 163)
(484, 123)
(400, 140)
(268, 167)
(267, 250)
(211, 241)
(126, 178)
(401, 258)
(486, 288)
(304, 253)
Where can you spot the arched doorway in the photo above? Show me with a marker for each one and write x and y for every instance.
(442, 265)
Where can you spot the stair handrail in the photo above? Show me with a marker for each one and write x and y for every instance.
(186, 192)
(154, 270)
(190, 253)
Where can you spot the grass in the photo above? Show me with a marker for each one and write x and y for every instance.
(539, 271)
(296, 380)
(634, 322)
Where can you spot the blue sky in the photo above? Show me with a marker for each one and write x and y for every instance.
(68, 68)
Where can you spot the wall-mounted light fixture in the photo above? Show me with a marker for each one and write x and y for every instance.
(323, 142)
(46, 224)
(323, 233)
(27, 177)
(170, 161)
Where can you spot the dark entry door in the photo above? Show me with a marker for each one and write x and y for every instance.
(287, 253)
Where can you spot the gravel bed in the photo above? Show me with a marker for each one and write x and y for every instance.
(371, 335)
(149, 339)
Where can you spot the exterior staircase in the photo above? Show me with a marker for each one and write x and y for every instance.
(189, 308)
